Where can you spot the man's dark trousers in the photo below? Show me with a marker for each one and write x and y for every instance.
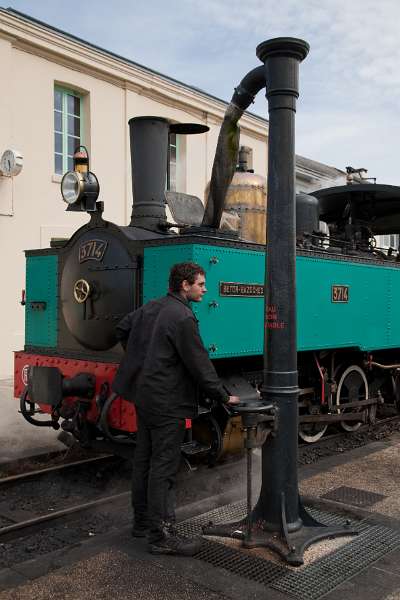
(155, 466)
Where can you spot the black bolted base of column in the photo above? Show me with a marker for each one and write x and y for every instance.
(278, 521)
(289, 546)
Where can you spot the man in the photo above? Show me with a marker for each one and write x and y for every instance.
(164, 365)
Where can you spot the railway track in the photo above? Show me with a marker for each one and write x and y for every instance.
(39, 498)
(30, 530)
(27, 526)
(54, 468)
(16, 522)
(341, 442)
(378, 426)
(58, 504)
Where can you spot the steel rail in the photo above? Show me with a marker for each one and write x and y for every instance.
(61, 513)
(347, 435)
(23, 476)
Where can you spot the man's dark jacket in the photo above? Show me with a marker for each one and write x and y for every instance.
(165, 360)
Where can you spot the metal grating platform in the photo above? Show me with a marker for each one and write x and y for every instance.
(324, 575)
(224, 514)
(334, 519)
(233, 560)
(353, 496)
(237, 511)
(237, 562)
(308, 583)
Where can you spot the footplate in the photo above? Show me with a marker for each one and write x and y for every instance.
(193, 448)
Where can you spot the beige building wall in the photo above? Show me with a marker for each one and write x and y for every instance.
(34, 59)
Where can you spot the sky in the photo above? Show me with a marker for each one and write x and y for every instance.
(347, 113)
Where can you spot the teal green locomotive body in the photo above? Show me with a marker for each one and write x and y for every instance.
(232, 325)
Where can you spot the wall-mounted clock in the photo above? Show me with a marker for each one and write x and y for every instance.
(11, 163)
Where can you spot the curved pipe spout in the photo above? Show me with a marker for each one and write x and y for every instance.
(248, 88)
(228, 145)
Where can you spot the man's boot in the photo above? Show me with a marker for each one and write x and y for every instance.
(140, 526)
(169, 542)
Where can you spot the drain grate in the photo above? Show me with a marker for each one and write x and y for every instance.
(353, 496)
(310, 582)
(321, 577)
(224, 514)
(232, 559)
(237, 511)
(250, 567)
(330, 518)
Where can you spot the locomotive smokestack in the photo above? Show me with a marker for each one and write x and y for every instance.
(149, 156)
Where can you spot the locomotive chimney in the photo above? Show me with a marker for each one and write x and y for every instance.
(149, 156)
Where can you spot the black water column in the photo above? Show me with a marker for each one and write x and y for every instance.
(279, 493)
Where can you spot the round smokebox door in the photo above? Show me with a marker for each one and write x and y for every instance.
(97, 288)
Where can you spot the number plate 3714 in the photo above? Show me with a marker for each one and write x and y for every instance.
(340, 293)
(92, 250)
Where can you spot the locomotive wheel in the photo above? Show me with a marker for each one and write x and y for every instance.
(312, 432)
(352, 386)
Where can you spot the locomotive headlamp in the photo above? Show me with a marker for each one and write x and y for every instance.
(71, 187)
(80, 188)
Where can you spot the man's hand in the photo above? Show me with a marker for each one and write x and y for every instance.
(233, 400)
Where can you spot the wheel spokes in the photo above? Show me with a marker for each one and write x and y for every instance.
(352, 386)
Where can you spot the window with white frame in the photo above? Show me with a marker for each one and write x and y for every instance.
(68, 127)
(172, 162)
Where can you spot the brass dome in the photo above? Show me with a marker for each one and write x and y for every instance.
(246, 206)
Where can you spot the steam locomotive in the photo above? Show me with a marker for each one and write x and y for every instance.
(348, 328)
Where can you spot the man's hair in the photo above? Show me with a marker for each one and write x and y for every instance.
(182, 271)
